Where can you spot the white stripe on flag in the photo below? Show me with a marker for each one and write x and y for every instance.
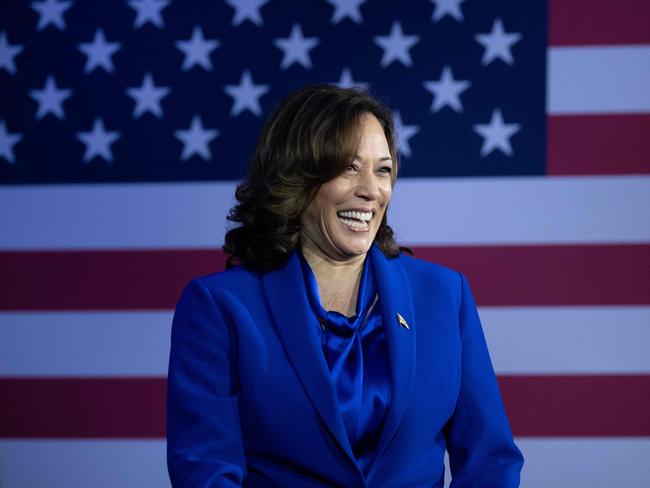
(155, 215)
(76, 463)
(522, 340)
(598, 79)
(520, 210)
(560, 340)
(574, 462)
(513, 210)
(84, 344)
(585, 462)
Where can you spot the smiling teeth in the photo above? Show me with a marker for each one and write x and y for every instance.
(355, 223)
(364, 216)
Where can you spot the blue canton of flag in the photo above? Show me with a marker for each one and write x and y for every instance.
(155, 90)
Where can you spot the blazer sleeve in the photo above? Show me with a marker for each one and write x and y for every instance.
(204, 441)
(481, 449)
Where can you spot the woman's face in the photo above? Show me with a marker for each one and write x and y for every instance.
(344, 216)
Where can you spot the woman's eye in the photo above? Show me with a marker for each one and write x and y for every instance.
(353, 167)
(386, 169)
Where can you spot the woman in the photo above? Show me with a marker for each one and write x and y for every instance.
(323, 356)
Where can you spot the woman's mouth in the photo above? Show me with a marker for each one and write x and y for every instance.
(355, 220)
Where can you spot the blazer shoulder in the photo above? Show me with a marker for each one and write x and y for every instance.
(420, 268)
(434, 283)
(237, 281)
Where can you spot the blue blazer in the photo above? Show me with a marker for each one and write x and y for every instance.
(250, 400)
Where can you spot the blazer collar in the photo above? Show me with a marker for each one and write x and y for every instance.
(295, 324)
(396, 302)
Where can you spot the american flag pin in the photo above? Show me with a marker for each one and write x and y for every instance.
(402, 321)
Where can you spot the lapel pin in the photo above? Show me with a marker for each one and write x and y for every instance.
(402, 322)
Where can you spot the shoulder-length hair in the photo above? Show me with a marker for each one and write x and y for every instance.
(308, 140)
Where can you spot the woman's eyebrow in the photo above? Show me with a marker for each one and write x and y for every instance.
(385, 158)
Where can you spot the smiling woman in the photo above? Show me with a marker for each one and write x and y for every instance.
(318, 137)
(344, 216)
(340, 223)
(323, 356)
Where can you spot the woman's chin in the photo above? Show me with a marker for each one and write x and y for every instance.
(354, 246)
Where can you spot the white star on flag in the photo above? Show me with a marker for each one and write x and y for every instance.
(346, 81)
(447, 7)
(247, 10)
(196, 139)
(98, 142)
(404, 134)
(446, 91)
(51, 12)
(50, 99)
(148, 11)
(197, 50)
(99, 52)
(496, 134)
(8, 52)
(246, 95)
(396, 46)
(7, 142)
(498, 44)
(346, 9)
(147, 97)
(296, 48)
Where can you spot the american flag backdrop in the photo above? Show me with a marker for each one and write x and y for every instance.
(524, 130)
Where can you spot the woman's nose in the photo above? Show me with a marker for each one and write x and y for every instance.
(368, 186)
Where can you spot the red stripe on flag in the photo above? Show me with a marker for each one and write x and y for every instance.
(577, 405)
(598, 22)
(102, 280)
(550, 275)
(83, 407)
(598, 144)
(499, 275)
(135, 407)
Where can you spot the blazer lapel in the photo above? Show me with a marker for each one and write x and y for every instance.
(396, 303)
(295, 324)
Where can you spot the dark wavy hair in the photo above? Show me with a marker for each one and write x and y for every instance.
(309, 139)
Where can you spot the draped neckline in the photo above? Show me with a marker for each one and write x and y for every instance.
(356, 353)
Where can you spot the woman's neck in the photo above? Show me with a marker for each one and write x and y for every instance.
(338, 280)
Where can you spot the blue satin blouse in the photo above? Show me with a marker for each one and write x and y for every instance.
(356, 353)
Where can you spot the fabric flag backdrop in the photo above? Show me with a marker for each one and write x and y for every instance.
(525, 145)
